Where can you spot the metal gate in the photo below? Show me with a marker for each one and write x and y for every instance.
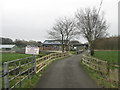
(18, 70)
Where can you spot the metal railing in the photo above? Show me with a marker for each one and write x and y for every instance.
(17, 70)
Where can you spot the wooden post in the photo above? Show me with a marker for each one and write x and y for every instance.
(108, 68)
(55, 55)
(6, 78)
(28, 69)
(35, 64)
(32, 64)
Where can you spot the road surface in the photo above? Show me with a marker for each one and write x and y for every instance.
(66, 73)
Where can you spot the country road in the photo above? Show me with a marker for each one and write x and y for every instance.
(66, 73)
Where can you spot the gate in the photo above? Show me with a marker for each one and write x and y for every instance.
(17, 70)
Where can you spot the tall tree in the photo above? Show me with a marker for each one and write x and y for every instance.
(91, 25)
(64, 30)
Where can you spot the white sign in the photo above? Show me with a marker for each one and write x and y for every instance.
(31, 50)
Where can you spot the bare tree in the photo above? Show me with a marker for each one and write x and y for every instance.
(64, 30)
(91, 25)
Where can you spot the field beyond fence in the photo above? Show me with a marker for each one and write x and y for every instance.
(110, 56)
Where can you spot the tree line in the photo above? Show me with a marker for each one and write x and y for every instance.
(19, 43)
(106, 43)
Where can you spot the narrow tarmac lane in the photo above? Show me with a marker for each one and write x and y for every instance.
(66, 73)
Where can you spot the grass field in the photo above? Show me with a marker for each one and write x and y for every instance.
(13, 56)
(111, 56)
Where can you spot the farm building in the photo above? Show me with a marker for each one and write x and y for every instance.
(79, 46)
(8, 47)
(76, 45)
(53, 45)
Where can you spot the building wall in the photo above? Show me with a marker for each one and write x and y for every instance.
(41, 47)
(52, 47)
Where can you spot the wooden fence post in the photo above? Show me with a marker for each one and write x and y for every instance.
(55, 55)
(108, 68)
(35, 64)
(6, 78)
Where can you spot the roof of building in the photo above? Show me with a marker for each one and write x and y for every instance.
(53, 42)
(7, 46)
(74, 42)
(57, 42)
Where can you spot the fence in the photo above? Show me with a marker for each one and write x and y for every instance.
(18, 70)
(104, 69)
(43, 61)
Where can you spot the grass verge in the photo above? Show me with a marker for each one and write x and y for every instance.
(102, 83)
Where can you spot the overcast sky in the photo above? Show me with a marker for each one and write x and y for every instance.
(30, 19)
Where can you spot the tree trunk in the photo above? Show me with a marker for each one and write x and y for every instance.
(66, 41)
(62, 44)
(89, 48)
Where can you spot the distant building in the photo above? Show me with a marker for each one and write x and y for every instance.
(76, 45)
(79, 46)
(9, 48)
(53, 45)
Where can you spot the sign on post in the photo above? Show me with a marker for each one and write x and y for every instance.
(31, 50)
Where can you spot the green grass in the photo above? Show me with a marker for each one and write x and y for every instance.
(28, 83)
(13, 56)
(72, 52)
(111, 56)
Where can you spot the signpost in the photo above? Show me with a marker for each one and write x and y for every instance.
(32, 50)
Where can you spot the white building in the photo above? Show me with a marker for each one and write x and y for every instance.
(8, 47)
